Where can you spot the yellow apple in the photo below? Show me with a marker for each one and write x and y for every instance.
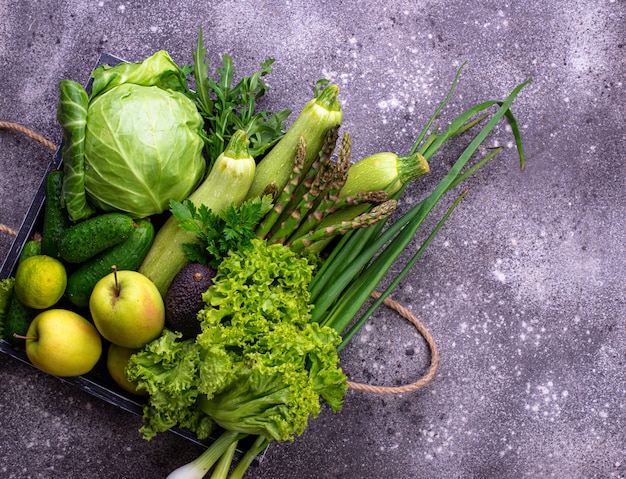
(117, 360)
(62, 343)
(127, 309)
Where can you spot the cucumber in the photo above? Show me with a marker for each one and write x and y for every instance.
(126, 255)
(17, 321)
(88, 238)
(6, 293)
(31, 248)
(55, 219)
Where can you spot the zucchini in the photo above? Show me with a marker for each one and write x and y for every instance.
(380, 171)
(55, 219)
(17, 321)
(88, 238)
(126, 255)
(318, 116)
(227, 184)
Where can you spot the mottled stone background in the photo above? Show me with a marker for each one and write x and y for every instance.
(523, 289)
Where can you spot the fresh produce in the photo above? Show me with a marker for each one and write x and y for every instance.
(184, 298)
(31, 248)
(298, 243)
(338, 290)
(259, 366)
(357, 265)
(333, 198)
(40, 281)
(117, 361)
(72, 115)
(227, 184)
(6, 294)
(62, 343)
(126, 255)
(227, 107)
(379, 172)
(217, 234)
(16, 322)
(55, 219)
(127, 309)
(135, 143)
(92, 236)
(318, 116)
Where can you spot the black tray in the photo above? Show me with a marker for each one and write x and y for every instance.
(98, 381)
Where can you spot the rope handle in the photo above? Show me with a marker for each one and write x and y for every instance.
(432, 346)
(401, 310)
(7, 125)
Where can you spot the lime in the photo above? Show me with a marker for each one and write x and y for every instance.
(40, 281)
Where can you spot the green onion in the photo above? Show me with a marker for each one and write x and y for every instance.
(344, 295)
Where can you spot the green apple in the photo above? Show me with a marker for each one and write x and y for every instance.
(62, 343)
(127, 309)
(117, 360)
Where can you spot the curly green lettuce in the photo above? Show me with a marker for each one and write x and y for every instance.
(258, 366)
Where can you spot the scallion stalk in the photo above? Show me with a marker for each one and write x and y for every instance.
(400, 233)
(198, 468)
(259, 444)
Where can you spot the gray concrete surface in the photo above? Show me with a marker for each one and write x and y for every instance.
(523, 289)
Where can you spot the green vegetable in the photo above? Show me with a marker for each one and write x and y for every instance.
(379, 172)
(383, 171)
(262, 356)
(17, 321)
(258, 366)
(358, 265)
(223, 447)
(6, 293)
(227, 108)
(86, 239)
(137, 142)
(72, 115)
(227, 184)
(31, 248)
(318, 116)
(55, 219)
(15, 317)
(126, 255)
(334, 198)
(218, 234)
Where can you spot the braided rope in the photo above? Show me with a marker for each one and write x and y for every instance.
(7, 125)
(430, 341)
(7, 230)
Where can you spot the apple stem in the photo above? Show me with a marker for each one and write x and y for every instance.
(117, 285)
(25, 338)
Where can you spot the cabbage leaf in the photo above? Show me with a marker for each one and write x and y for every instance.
(133, 145)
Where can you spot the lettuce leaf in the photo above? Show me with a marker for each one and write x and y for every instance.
(258, 366)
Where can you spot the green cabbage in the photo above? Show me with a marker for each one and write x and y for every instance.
(142, 149)
(136, 145)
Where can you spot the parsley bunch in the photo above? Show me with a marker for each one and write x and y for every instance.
(218, 234)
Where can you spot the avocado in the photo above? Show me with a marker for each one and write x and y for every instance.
(184, 298)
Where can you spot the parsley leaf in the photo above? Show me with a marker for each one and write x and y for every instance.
(217, 234)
